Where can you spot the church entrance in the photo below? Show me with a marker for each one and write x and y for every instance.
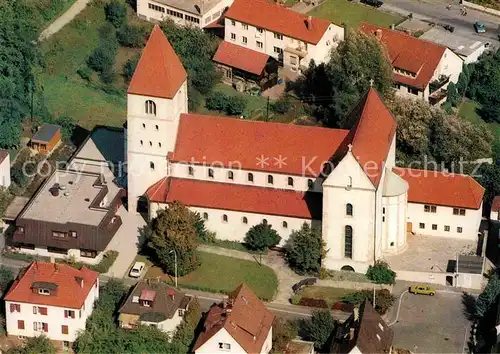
(409, 227)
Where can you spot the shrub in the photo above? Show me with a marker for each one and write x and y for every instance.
(383, 299)
(319, 328)
(102, 58)
(85, 73)
(6, 277)
(319, 303)
(295, 299)
(130, 36)
(380, 273)
(282, 105)
(283, 332)
(19, 177)
(216, 101)
(107, 76)
(261, 236)
(235, 105)
(116, 13)
(453, 96)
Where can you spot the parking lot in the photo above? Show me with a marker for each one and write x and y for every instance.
(430, 324)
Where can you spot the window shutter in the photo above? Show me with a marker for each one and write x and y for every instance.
(18, 308)
(20, 324)
(12, 307)
(45, 327)
(43, 310)
(64, 329)
(65, 313)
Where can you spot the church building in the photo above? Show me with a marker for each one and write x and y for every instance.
(237, 173)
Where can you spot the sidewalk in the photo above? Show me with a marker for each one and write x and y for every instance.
(64, 19)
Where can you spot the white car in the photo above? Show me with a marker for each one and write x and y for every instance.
(137, 269)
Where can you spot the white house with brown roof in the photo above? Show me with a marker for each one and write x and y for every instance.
(292, 38)
(237, 173)
(421, 68)
(495, 209)
(240, 324)
(4, 169)
(51, 299)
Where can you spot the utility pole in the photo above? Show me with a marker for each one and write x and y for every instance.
(267, 109)
(374, 297)
(175, 265)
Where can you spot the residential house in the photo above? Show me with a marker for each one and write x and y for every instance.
(73, 214)
(4, 169)
(245, 68)
(154, 304)
(292, 38)
(495, 209)
(343, 181)
(240, 324)
(46, 138)
(51, 299)
(364, 332)
(197, 13)
(421, 68)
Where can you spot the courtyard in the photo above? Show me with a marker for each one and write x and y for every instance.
(429, 324)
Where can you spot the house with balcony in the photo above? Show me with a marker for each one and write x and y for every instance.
(197, 13)
(291, 38)
(51, 299)
(422, 69)
(73, 214)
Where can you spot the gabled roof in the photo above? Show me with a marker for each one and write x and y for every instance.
(273, 17)
(3, 155)
(46, 133)
(255, 145)
(63, 279)
(241, 58)
(237, 197)
(373, 335)
(409, 53)
(441, 188)
(243, 316)
(495, 205)
(372, 134)
(159, 72)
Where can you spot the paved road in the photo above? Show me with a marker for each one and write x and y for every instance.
(436, 11)
(64, 19)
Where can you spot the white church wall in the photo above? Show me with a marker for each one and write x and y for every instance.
(235, 229)
(434, 223)
(240, 176)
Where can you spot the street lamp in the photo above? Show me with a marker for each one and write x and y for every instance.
(175, 265)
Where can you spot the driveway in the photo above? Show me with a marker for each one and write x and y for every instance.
(429, 324)
(126, 242)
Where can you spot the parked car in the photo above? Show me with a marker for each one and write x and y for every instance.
(376, 3)
(136, 270)
(479, 27)
(422, 290)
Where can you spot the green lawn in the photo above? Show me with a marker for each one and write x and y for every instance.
(468, 111)
(324, 292)
(352, 14)
(223, 274)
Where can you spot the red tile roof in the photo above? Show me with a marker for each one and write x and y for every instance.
(159, 72)
(3, 155)
(69, 293)
(409, 53)
(254, 145)
(237, 197)
(241, 58)
(273, 17)
(244, 317)
(440, 188)
(372, 134)
(495, 205)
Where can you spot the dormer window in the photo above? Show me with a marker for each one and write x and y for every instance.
(150, 107)
(146, 303)
(147, 297)
(42, 291)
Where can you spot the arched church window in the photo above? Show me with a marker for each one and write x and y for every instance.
(270, 179)
(290, 181)
(152, 165)
(348, 209)
(348, 242)
(150, 107)
(310, 183)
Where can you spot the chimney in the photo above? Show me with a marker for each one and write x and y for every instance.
(309, 22)
(378, 34)
(79, 280)
(351, 333)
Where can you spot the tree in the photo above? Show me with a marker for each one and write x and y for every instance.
(131, 36)
(488, 297)
(173, 230)
(319, 328)
(383, 299)
(103, 57)
(463, 80)
(335, 87)
(19, 177)
(235, 105)
(283, 332)
(453, 96)
(6, 277)
(281, 105)
(381, 273)
(129, 67)
(185, 332)
(489, 178)
(262, 236)
(116, 13)
(305, 250)
(35, 345)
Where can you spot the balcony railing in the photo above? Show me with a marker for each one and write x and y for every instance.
(438, 83)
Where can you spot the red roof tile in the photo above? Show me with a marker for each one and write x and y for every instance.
(254, 145)
(439, 188)
(270, 16)
(241, 58)
(159, 72)
(237, 197)
(409, 53)
(371, 135)
(3, 155)
(495, 205)
(69, 293)
(244, 317)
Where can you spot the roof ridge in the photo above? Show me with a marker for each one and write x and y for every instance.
(472, 180)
